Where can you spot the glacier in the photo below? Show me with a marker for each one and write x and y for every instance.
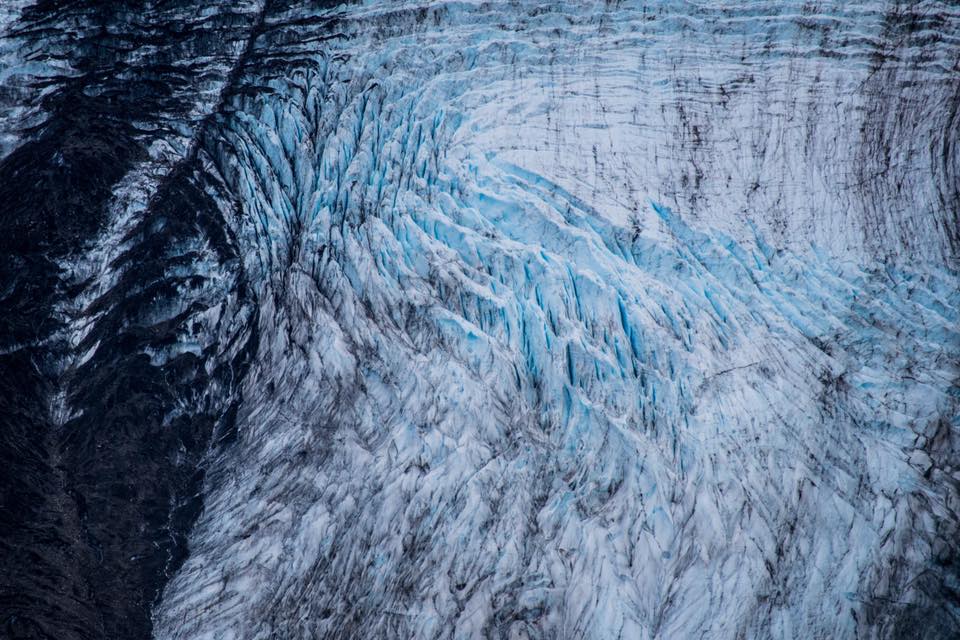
(481, 320)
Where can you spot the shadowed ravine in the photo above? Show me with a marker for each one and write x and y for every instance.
(479, 320)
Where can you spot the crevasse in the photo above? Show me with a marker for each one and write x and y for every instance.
(537, 359)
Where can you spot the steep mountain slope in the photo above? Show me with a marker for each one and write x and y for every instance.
(455, 319)
(109, 250)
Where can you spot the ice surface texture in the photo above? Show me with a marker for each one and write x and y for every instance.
(522, 320)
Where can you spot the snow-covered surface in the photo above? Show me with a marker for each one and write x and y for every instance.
(588, 321)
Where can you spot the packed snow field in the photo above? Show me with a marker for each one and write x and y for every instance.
(537, 320)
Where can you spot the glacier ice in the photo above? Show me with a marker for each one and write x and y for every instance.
(559, 320)
(485, 405)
